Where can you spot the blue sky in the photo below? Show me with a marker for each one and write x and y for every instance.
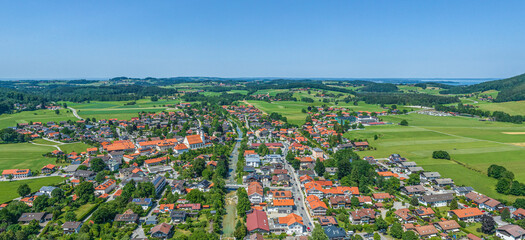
(369, 39)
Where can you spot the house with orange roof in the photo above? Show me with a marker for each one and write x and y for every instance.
(282, 205)
(279, 194)
(292, 224)
(194, 141)
(49, 168)
(381, 197)
(121, 145)
(105, 187)
(92, 151)
(255, 193)
(166, 208)
(388, 174)
(318, 207)
(16, 173)
(181, 148)
(466, 214)
(156, 161)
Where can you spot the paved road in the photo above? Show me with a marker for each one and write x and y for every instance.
(75, 113)
(297, 192)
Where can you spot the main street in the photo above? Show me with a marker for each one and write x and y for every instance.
(299, 196)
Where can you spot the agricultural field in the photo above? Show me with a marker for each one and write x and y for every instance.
(8, 190)
(512, 108)
(24, 155)
(474, 144)
(414, 89)
(293, 110)
(119, 109)
(10, 120)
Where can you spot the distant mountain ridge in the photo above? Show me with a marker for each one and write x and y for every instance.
(510, 89)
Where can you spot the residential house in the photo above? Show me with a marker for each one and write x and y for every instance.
(436, 200)
(327, 221)
(145, 203)
(467, 214)
(405, 215)
(178, 216)
(293, 224)
(257, 221)
(426, 231)
(519, 214)
(429, 176)
(106, 187)
(162, 230)
(127, 217)
(334, 233)
(255, 193)
(16, 173)
(462, 191)
(253, 160)
(71, 227)
(49, 168)
(39, 217)
(47, 190)
(85, 174)
(510, 232)
(362, 216)
(415, 190)
(282, 205)
(447, 226)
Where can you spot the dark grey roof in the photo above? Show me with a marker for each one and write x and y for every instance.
(437, 197)
(334, 232)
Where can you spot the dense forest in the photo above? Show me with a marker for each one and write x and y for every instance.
(9, 97)
(511, 89)
(405, 99)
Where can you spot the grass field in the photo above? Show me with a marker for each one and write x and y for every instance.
(10, 120)
(74, 147)
(67, 147)
(293, 110)
(119, 109)
(512, 108)
(8, 190)
(24, 155)
(469, 141)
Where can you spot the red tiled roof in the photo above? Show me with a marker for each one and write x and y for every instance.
(257, 220)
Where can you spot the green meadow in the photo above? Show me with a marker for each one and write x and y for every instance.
(65, 147)
(293, 110)
(474, 144)
(8, 190)
(512, 108)
(10, 120)
(24, 155)
(119, 109)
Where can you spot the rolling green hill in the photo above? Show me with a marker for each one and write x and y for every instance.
(510, 89)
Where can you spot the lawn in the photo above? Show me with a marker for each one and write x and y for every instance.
(83, 209)
(473, 143)
(10, 120)
(24, 155)
(74, 147)
(8, 190)
(66, 147)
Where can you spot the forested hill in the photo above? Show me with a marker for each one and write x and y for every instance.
(511, 89)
